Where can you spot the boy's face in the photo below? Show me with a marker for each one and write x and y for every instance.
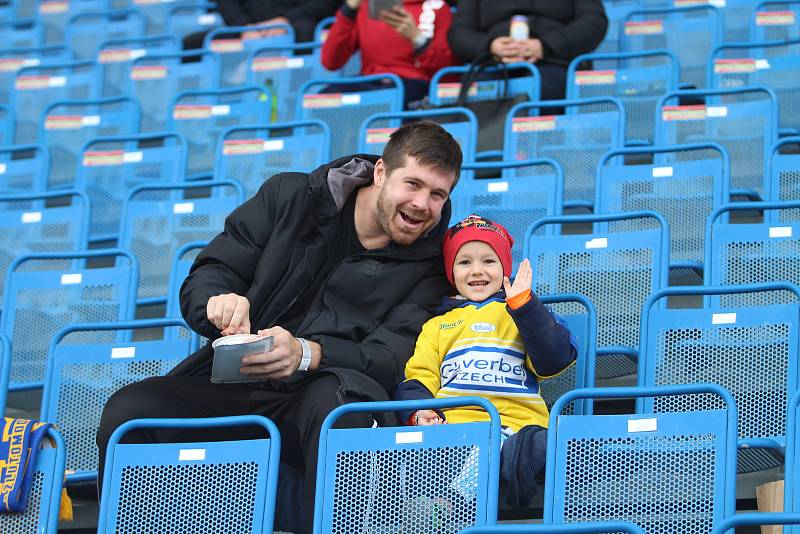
(477, 271)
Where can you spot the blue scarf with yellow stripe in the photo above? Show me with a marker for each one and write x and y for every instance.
(20, 444)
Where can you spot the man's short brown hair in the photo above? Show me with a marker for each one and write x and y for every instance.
(428, 143)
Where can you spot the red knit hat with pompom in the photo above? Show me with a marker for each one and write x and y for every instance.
(477, 228)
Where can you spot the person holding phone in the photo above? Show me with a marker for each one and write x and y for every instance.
(403, 37)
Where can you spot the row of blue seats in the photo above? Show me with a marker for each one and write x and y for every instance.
(663, 470)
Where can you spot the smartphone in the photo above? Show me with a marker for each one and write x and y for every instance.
(376, 6)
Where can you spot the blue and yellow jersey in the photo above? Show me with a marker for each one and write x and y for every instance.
(478, 348)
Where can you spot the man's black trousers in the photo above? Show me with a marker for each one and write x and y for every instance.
(298, 409)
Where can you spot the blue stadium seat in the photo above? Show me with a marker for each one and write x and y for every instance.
(283, 70)
(36, 87)
(771, 64)
(744, 121)
(202, 117)
(608, 527)
(440, 478)
(353, 65)
(736, 16)
(181, 264)
(56, 14)
(8, 10)
(636, 79)
(46, 292)
(251, 155)
(67, 125)
(791, 496)
(190, 487)
(523, 192)
(589, 127)
(157, 220)
(349, 106)
(155, 80)
(616, 12)
(783, 170)
(748, 519)
(691, 33)
(88, 363)
(158, 14)
(7, 125)
(184, 19)
(85, 31)
(580, 317)
(752, 351)
(665, 472)
(111, 167)
(22, 33)
(233, 48)
(775, 20)
(11, 60)
(461, 123)
(31, 223)
(746, 252)
(41, 515)
(616, 266)
(684, 183)
(116, 55)
(23, 169)
(526, 81)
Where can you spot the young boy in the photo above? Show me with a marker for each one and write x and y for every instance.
(495, 340)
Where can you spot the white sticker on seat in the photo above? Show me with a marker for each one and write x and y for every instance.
(762, 64)
(32, 217)
(31, 62)
(716, 111)
(642, 425)
(91, 120)
(190, 455)
(183, 207)
(723, 318)
(57, 81)
(2, 168)
(497, 187)
(220, 110)
(780, 231)
(273, 144)
(597, 242)
(132, 157)
(206, 20)
(662, 172)
(295, 63)
(408, 437)
(71, 278)
(123, 352)
(351, 100)
(137, 53)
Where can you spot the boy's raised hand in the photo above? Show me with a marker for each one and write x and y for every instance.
(428, 417)
(522, 282)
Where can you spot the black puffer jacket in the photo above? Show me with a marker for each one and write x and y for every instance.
(302, 14)
(370, 310)
(567, 28)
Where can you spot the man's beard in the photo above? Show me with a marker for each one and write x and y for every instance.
(402, 236)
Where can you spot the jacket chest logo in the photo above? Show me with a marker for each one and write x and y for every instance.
(483, 328)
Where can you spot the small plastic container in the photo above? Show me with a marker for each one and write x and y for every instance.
(519, 28)
(228, 354)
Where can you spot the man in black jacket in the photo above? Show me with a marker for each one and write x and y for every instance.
(342, 266)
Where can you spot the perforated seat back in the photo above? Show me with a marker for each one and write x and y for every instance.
(115, 57)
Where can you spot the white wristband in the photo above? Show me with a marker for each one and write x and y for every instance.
(305, 358)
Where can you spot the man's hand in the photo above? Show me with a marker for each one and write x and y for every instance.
(427, 418)
(522, 282)
(505, 48)
(402, 22)
(353, 4)
(230, 313)
(531, 50)
(271, 32)
(284, 358)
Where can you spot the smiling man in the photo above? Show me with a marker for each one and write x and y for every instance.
(342, 266)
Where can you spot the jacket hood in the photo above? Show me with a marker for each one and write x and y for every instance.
(332, 184)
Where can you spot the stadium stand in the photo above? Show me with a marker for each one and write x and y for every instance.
(250, 155)
(84, 32)
(233, 47)
(186, 486)
(775, 21)
(23, 169)
(783, 170)
(423, 479)
(116, 55)
(186, 18)
(88, 363)
(11, 60)
(665, 472)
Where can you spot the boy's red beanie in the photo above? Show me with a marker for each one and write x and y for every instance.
(477, 228)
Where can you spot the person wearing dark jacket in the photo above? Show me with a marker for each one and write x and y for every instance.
(301, 15)
(342, 266)
(554, 33)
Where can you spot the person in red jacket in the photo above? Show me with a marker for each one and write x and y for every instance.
(409, 41)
